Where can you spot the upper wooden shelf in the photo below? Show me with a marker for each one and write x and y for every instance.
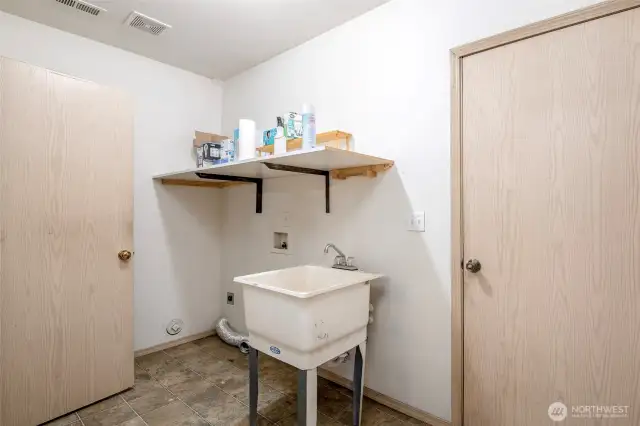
(330, 139)
(341, 163)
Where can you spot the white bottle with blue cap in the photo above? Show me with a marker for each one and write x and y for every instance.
(308, 126)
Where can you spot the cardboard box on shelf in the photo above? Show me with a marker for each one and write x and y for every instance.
(203, 137)
(213, 149)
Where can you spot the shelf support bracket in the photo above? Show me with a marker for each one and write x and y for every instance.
(257, 181)
(304, 170)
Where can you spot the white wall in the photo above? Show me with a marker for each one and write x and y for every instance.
(177, 247)
(384, 77)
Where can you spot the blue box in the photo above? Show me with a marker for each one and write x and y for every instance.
(269, 137)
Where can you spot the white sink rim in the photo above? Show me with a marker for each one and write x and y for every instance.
(339, 279)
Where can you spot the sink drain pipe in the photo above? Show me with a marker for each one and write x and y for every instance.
(233, 338)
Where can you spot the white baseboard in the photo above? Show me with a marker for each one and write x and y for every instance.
(171, 344)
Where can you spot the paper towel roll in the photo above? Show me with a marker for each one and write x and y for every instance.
(246, 139)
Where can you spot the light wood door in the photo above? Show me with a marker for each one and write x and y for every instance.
(551, 209)
(65, 212)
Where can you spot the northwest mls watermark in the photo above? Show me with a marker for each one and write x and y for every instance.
(558, 411)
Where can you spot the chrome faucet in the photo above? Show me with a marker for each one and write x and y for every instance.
(341, 261)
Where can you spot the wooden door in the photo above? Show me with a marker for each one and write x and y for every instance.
(65, 212)
(551, 209)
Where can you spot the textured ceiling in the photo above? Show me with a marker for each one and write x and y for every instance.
(214, 38)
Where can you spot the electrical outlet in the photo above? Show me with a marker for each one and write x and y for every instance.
(417, 222)
(230, 297)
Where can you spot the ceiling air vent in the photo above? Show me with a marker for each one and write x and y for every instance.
(146, 23)
(83, 6)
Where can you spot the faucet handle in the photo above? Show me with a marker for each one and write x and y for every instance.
(350, 261)
(339, 260)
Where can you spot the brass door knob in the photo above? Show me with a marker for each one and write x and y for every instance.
(124, 255)
(473, 265)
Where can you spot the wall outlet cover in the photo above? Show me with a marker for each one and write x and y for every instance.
(417, 222)
(281, 219)
(285, 218)
(230, 298)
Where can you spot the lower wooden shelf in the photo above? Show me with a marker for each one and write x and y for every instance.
(325, 161)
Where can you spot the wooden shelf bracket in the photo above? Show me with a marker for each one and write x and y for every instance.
(257, 181)
(304, 170)
(367, 171)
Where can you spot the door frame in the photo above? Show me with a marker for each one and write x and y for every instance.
(579, 16)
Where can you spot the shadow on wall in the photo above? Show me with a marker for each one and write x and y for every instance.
(191, 220)
(369, 220)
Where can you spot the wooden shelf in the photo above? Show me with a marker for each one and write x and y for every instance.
(339, 161)
(325, 161)
(331, 139)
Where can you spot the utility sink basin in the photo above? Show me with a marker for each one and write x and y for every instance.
(306, 315)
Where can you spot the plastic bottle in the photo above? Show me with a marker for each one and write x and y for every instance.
(308, 126)
(280, 144)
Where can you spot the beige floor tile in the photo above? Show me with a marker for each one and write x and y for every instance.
(208, 343)
(143, 385)
(226, 376)
(64, 420)
(265, 392)
(210, 393)
(270, 363)
(322, 382)
(152, 401)
(242, 361)
(244, 421)
(136, 421)
(139, 372)
(193, 386)
(214, 346)
(220, 411)
(102, 405)
(171, 372)
(236, 384)
(111, 417)
(371, 417)
(221, 395)
(393, 413)
(175, 414)
(151, 361)
(332, 402)
(278, 408)
(323, 420)
(272, 404)
(204, 363)
(285, 382)
(182, 350)
(369, 408)
(272, 371)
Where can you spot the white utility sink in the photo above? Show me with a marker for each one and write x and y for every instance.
(306, 315)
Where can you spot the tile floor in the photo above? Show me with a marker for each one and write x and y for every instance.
(206, 383)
